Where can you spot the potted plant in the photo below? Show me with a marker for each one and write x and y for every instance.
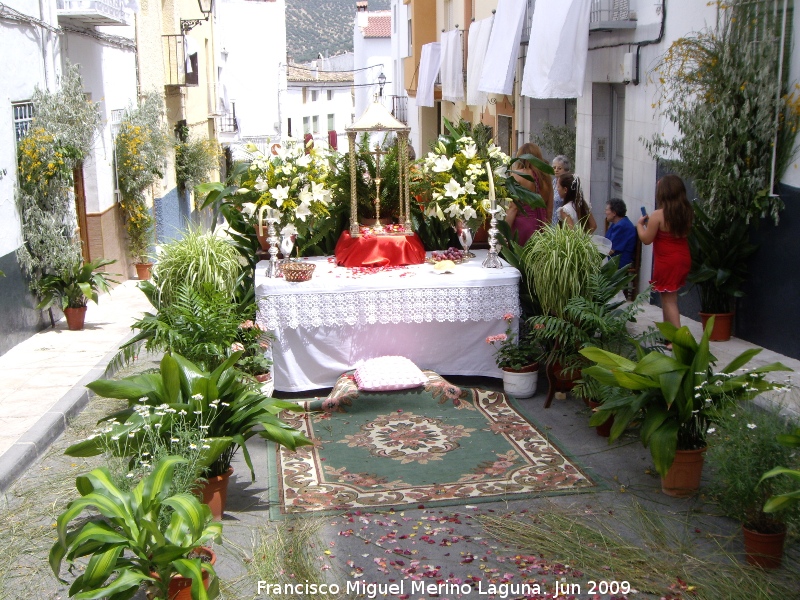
(720, 249)
(72, 289)
(236, 405)
(675, 398)
(745, 446)
(516, 356)
(131, 537)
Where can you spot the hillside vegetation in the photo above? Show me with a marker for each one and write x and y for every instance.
(322, 26)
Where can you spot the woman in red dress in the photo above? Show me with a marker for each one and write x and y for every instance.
(528, 220)
(667, 229)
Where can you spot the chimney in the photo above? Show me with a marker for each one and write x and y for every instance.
(362, 5)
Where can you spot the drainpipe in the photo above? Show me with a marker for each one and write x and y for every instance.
(773, 174)
(47, 53)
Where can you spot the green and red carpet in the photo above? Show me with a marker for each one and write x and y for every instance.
(437, 445)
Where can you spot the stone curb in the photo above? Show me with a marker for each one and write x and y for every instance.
(35, 442)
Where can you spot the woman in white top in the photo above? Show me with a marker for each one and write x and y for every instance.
(575, 208)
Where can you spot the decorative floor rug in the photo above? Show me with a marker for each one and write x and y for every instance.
(438, 445)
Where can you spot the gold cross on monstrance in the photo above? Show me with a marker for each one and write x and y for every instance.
(378, 152)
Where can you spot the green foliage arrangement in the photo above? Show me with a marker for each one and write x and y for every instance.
(141, 148)
(195, 161)
(557, 140)
(124, 543)
(75, 285)
(513, 352)
(198, 258)
(557, 264)
(745, 446)
(61, 135)
(720, 249)
(791, 498)
(677, 397)
(718, 88)
(229, 406)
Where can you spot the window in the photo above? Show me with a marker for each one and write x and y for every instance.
(23, 115)
(330, 95)
(314, 95)
(315, 120)
(410, 40)
(306, 124)
(305, 93)
(331, 122)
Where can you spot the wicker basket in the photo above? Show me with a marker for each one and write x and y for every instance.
(300, 271)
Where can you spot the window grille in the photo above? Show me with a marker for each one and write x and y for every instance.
(23, 116)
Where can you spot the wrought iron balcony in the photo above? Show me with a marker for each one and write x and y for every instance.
(611, 15)
(400, 108)
(93, 12)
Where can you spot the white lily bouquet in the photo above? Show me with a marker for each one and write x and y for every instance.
(459, 182)
(287, 188)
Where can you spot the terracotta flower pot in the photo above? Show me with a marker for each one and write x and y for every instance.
(603, 430)
(683, 477)
(764, 550)
(180, 587)
(76, 317)
(521, 383)
(215, 493)
(723, 323)
(144, 271)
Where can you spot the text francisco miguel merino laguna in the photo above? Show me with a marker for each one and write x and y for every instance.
(376, 590)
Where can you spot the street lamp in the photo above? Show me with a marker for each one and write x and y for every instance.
(205, 8)
(381, 83)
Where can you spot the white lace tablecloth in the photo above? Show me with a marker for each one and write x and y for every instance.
(414, 294)
(341, 317)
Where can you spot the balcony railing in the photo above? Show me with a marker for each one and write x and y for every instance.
(400, 108)
(175, 71)
(227, 123)
(94, 12)
(607, 15)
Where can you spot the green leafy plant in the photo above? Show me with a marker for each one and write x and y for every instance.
(195, 160)
(140, 152)
(718, 87)
(252, 341)
(123, 541)
(558, 139)
(236, 405)
(196, 259)
(596, 320)
(60, 137)
(557, 264)
(674, 397)
(76, 285)
(791, 498)
(745, 446)
(514, 352)
(720, 249)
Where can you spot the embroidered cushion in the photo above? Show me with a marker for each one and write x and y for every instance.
(389, 373)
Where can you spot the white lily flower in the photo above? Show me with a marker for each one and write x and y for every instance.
(454, 210)
(501, 171)
(453, 189)
(303, 161)
(303, 211)
(469, 187)
(470, 150)
(249, 208)
(241, 191)
(470, 213)
(319, 193)
(305, 196)
(443, 164)
(280, 194)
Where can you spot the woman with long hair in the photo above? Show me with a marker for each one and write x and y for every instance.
(667, 228)
(575, 210)
(561, 166)
(527, 220)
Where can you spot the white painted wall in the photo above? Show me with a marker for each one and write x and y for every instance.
(251, 39)
(371, 57)
(36, 54)
(340, 106)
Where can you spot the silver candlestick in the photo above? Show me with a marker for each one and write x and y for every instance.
(492, 260)
(272, 240)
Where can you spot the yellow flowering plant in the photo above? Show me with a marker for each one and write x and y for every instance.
(289, 186)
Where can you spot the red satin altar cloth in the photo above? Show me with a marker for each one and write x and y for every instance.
(379, 250)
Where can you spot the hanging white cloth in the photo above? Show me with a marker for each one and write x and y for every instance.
(479, 33)
(497, 76)
(452, 68)
(558, 51)
(189, 48)
(429, 63)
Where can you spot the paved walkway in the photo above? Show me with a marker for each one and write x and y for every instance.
(45, 376)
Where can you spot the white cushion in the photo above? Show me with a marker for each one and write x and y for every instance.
(389, 373)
